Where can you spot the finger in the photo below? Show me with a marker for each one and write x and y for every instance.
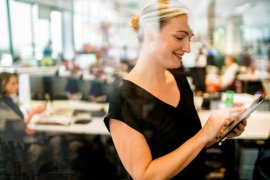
(228, 122)
(222, 130)
(242, 125)
(244, 122)
(237, 131)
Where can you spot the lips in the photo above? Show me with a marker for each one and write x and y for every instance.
(179, 56)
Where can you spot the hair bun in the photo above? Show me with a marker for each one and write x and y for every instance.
(134, 23)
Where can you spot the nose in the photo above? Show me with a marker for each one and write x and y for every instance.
(186, 46)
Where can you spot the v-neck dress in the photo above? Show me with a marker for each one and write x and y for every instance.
(164, 127)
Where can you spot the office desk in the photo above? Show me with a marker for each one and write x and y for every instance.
(258, 126)
(96, 126)
(73, 104)
(252, 79)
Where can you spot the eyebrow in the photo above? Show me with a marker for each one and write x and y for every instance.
(186, 32)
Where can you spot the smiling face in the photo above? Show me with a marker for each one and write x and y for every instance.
(172, 42)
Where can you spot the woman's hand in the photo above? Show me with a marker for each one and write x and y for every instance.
(238, 130)
(219, 120)
(39, 108)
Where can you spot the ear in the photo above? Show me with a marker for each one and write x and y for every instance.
(149, 32)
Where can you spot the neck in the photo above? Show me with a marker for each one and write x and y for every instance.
(147, 70)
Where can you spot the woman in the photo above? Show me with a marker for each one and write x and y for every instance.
(152, 119)
(9, 94)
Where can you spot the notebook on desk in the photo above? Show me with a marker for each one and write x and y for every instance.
(94, 113)
(63, 117)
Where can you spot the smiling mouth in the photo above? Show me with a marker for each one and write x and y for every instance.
(179, 56)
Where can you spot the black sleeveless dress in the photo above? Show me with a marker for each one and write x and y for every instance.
(164, 127)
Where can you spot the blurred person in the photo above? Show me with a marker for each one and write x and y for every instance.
(57, 142)
(98, 65)
(229, 74)
(247, 60)
(63, 68)
(201, 59)
(9, 96)
(47, 55)
(152, 119)
(72, 86)
(97, 91)
(9, 92)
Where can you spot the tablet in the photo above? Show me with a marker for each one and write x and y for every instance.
(241, 117)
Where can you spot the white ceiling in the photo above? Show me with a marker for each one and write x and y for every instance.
(252, 12)
(257, 8)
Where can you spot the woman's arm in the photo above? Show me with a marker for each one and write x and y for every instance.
(36, 110)
(136, 156)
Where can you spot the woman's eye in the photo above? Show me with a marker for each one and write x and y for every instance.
(179, 38)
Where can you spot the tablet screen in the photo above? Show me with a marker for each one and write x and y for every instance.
(241, 117)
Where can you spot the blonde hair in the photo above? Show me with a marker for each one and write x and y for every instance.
(158, 13)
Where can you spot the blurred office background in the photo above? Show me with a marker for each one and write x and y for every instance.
(78, 50)
(28, 25)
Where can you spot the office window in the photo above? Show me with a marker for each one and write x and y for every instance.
(86, 32)
(4, 36)
(45, 29)
(21, 28)
(93, 22)
(68, 46)
(41, 32)
(56, 33)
